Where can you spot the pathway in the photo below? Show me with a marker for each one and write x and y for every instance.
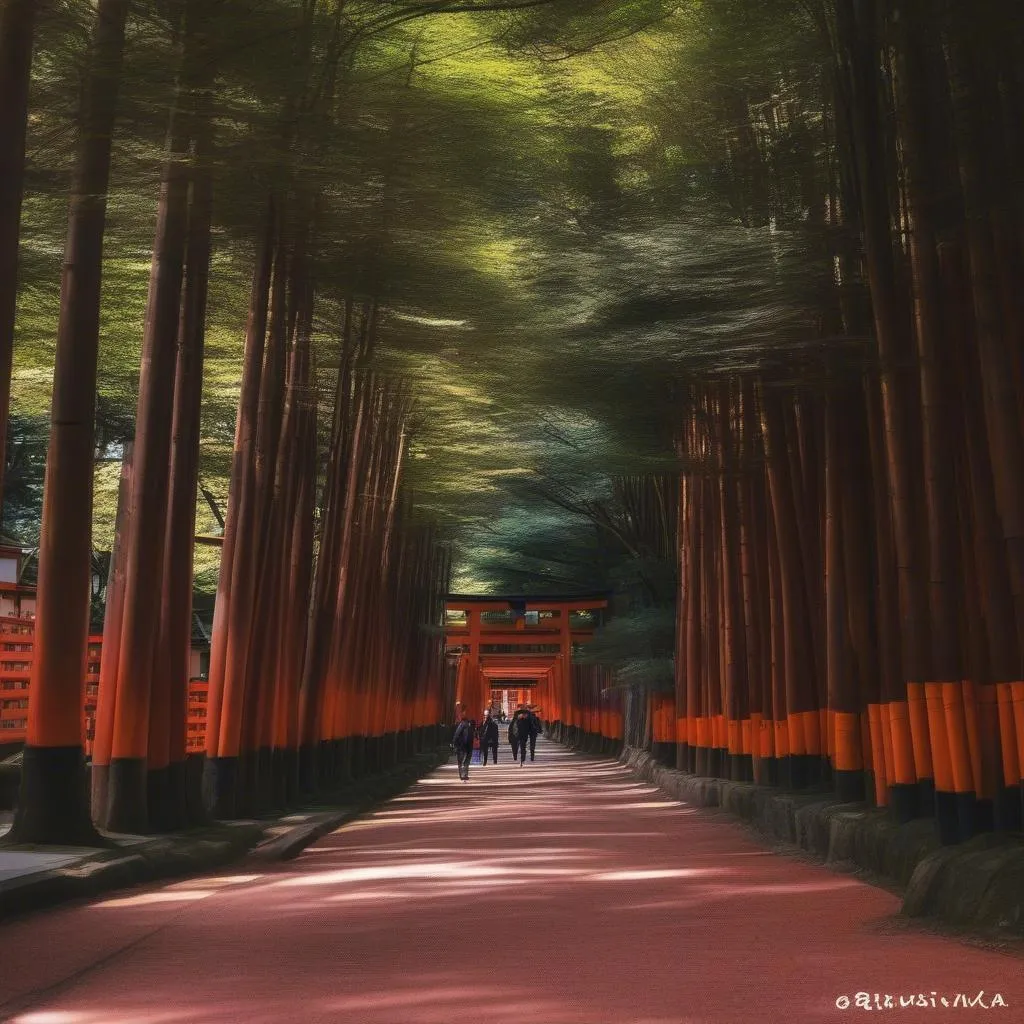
(563, 892)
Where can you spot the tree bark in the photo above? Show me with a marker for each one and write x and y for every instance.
(133, 762)
(112, 620)
(857, 30)
(219, 776)
(17, 31)
(54, 803)
(983, 181)
(184, 802)
(927, 189)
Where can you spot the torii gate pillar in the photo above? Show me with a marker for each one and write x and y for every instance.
(471, 683)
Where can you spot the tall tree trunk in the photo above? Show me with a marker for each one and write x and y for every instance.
(184, 800)
(857, 28)
(798, 644)
(54, 803)
(928, 186)
(325, 581)
(994, 595)
(737, 680)
(241, 694)
(984, 179)
(298, 599)
(710, 588)
(113, 616)
(777, 648)
(230, 612)
(17, 30)
(275, 560)
(843, 703)
(695, 710)
(132, 778)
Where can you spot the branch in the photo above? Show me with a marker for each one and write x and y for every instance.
(212, 502)
(410, 12)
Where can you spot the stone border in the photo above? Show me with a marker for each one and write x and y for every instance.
(205, 849)
(355, 800)
(146, 861)
(977, 885)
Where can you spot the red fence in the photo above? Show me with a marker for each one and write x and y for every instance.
(17, 636)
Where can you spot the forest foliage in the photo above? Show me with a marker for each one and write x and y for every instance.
(507, 185)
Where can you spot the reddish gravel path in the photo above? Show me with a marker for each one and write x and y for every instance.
(559, 893)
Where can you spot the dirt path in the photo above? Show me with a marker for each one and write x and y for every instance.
(563, 892)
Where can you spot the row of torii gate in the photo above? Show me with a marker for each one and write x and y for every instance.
(520, 642)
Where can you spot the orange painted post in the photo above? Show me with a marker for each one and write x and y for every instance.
(565, 659)
(185, 800)
(886, 740)
(1017, 701)
(469, 689)
(917, 710)
(103, 740)
(972, 722)
(139, 793)
(1013, 769)
(945, 790)
(964, 781)
(879, 767)
(53, 806)
(229, 613)
(842, 689)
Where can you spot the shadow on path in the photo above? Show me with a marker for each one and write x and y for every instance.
(562, 892)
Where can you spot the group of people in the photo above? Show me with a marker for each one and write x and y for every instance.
(523, 730)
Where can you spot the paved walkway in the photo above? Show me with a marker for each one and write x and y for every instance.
(563, 892)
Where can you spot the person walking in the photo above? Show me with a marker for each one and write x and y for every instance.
(521, 724)
(462, 743)
(488, 737)
(513, 737)
(534, 731)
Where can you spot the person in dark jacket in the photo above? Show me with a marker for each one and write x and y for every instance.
(513, 737)
(521, 725)
(534, 731)
(462, 743)
(488, 737)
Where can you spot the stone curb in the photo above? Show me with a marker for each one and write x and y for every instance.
(361, 796)
(978, 884)
(201, 850)
(148, 861)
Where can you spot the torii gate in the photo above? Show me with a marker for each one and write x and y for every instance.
(524, 623)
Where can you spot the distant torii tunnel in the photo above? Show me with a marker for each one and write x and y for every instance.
(496, 643)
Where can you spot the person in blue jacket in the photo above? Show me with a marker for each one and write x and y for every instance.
(462, 743)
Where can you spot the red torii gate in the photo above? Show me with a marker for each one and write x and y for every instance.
(522, 623)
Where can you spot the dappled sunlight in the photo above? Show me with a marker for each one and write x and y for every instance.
(704, 895)
(144, 899)
(643, 876)
(595, 835)
(438, 870)
(649, 804)
(789, 889)
(587, 886)
(422, 1000)
(220, 882)
(107, 1016)
(177, 892)
(367, 894)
